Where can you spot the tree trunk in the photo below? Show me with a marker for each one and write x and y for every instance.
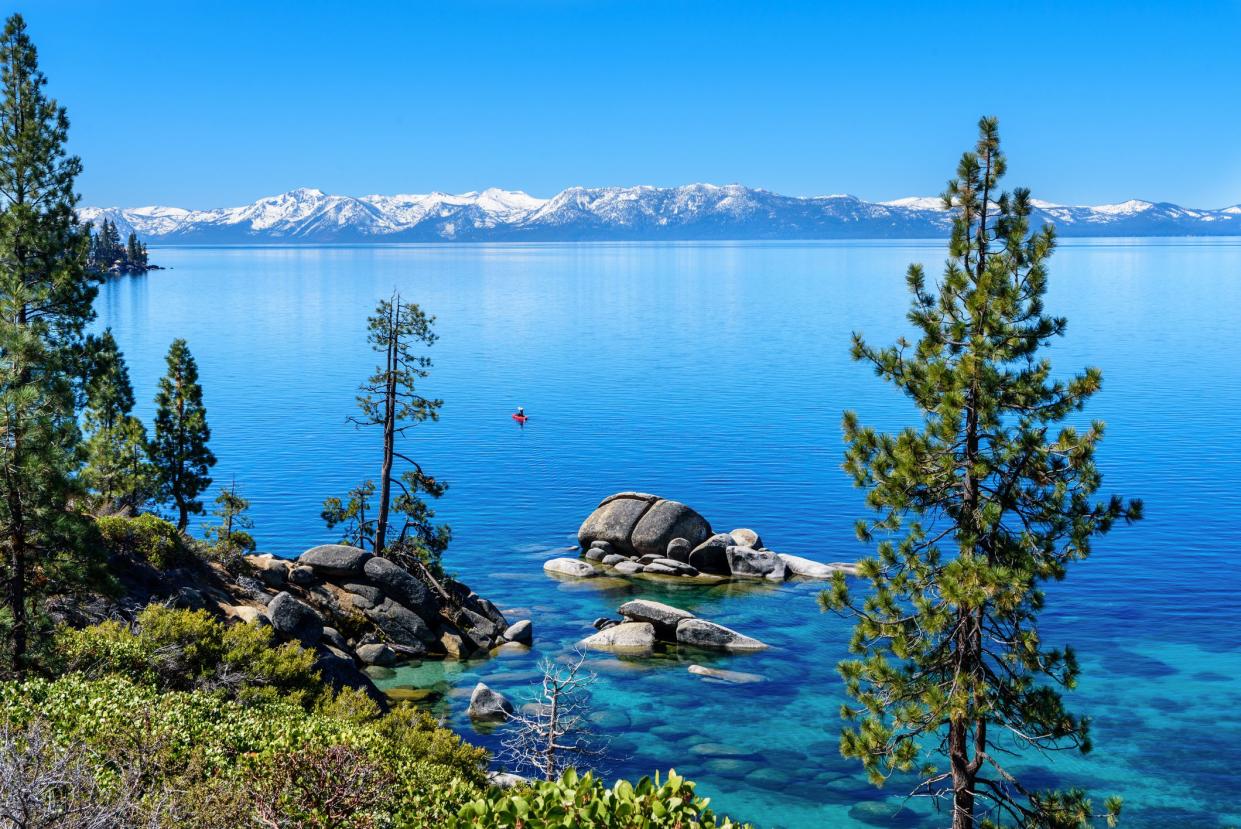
(17, 584)
(385, 477)
(549, 767)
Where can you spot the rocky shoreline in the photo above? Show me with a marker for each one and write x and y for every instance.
(364, 611)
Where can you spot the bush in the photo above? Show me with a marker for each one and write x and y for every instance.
(226, 763)
(585, 802)
(146, 536)
(182, 650)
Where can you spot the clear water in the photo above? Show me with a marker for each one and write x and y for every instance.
(716, 374)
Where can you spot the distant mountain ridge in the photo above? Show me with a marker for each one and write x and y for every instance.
(691, 212)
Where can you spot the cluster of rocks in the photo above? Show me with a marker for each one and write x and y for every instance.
(359, 610)
(643, 623)
(635, 533)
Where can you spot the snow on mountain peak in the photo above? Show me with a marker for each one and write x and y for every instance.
(691, 211)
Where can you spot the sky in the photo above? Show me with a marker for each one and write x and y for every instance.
(201, 105)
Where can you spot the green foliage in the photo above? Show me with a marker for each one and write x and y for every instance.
(45, 305)
(586, 803)
(389, 399)
(118, 467)
(975, 511)
(228, 763)
(181, 650)
(179, 449)
(145, 536)
(229, 535)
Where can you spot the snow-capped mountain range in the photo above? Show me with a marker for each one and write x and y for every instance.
(695, 211)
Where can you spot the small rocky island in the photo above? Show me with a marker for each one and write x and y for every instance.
(636, 534)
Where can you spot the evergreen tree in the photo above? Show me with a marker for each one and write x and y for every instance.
(390, 400)
(179, 449)
(45, 304)
(118, 469)
(976, 510)
(230, 534)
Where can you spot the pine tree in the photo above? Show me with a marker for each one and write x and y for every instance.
(390, 400)
(118, 469)
(179, 449)
(976, 510)
(230, 533)
(45, 304)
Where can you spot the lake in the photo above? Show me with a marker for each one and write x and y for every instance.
(716, 374)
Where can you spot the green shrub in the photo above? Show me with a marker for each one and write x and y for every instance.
(183, 650)
(228, 762)
(146, 536)
(584, 802)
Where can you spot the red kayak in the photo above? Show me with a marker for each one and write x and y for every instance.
(520, 418)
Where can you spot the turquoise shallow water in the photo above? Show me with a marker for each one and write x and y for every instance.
(716, 374)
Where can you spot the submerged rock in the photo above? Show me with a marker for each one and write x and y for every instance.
(738, 677)
(486, 704)
(703, 634)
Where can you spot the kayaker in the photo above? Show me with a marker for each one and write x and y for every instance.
(521, 411)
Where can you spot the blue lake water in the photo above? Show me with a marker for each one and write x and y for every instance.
(716, 374)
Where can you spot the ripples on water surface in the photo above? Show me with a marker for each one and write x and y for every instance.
(716, 374)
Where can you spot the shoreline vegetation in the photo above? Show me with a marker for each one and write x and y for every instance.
(153, 678)
(107, 255)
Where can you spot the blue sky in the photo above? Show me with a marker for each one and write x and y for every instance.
(211, 104)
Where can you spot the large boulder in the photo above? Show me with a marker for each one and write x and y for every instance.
(295, 619)
(664, 521)
(376, 654)
(335, 559)
(747, 538)
(711, 556)
(757, 564)
(522, 632)
(664, 617)
(400, 624)
(808, 569)
(397, 583)
(703, 634)
(628, 637)
(570, 567)
(614, 520)
(679, 549)
(486, 704)
(339, 671)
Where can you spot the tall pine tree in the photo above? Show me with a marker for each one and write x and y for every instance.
(179, 449)
(118, 470)
(45, 304)
(390, 400)
(988, 500)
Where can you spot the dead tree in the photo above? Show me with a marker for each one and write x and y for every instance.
(554, 734)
